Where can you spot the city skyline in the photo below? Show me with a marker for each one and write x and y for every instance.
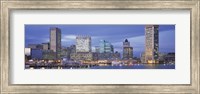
(115, 34)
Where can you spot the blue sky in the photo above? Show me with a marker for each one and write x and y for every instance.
(115, 34)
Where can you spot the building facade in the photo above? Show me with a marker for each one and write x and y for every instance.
(105, 47)
(97, 49)
(105, 56)
(55, 41)
(85, 56)
(126, 43)
(170, 58)
(151, 44)
(27, 51)
(83, 44)
(72, 49)
(64, 52)
(127, 50)
(36, 54)
(116, 55)
(142, 57)
(45, 46)
(48, 55)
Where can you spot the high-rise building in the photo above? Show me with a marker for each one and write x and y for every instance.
(127, 50)
(126, 43)
(105, 47)
(106, 50)
(55, 41)
(45, 46)
(83, 44)
(151, 43)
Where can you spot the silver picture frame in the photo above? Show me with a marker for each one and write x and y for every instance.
(8, 5)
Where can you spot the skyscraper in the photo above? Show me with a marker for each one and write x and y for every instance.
(55, 41)
(105, 47)
(83, 44)
(126, 43)
(151, 43)
(127, 50)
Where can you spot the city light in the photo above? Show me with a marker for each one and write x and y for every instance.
(51, 55)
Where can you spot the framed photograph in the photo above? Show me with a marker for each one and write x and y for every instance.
(99, 46)
(88, 46)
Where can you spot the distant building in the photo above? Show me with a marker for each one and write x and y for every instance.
(116, 55)
(27, 51)
(46, 46)
(64, 52)
(97, 49)
(27, 54)
(48, 55)
(35, 46)
(55, 41)
(142, 57)
(126, 43)
(151, 44)
(105, 47)
(72, 49)
(127, 50)
(83, 44)
(162, 57)
(36, 54)
(105, 56)
(27, 58)
(170, 58)
(84, 56)
(105, 50)
(72, 56)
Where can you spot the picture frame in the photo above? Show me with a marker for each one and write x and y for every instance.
(8, 6)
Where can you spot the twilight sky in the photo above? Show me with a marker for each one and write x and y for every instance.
(116, 34)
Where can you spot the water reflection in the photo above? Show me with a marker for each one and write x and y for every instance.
(138, 66)
(134, 66)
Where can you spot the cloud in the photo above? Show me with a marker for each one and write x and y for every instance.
(46, 39)
(136, 42)
(65, 40)
(69, 37)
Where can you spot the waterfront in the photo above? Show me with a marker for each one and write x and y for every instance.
(95, 51)
(134, 66)
(138, 66)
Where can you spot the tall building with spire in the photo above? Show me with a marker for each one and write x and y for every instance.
(127, 50)
(151, 43)
(55, 41)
